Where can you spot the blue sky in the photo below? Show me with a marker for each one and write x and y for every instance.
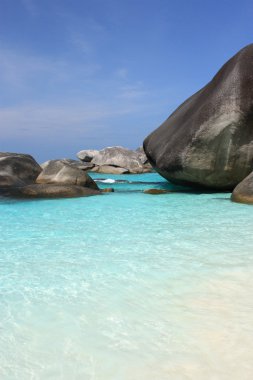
(77, 74)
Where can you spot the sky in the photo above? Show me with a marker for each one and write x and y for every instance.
(86, 74)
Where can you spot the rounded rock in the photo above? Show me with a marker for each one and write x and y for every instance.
(243, 193)
(61, 172)
(208, 140)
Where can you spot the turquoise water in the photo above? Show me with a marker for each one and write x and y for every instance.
(126, 286)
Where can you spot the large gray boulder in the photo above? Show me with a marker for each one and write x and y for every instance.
(208, 140)
(51, 191)
(243, 193)
(17, 169)
(61, 172)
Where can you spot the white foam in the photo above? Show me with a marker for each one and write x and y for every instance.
(108, 180)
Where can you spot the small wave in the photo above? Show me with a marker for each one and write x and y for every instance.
(108, 180)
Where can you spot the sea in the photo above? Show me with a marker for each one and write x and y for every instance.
(127, 285)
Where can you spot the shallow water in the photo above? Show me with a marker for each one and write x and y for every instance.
(127, 286)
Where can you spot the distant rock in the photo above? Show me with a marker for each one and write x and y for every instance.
(119, 157)
(157, 191)
(17, 169)
(107, 190)
(106, 169)
(142, 156)
(65, 172)
(243, 193)
(85, 166)
(116, 160)
(147, 168)
(87, 155)
(52, 191)
(208, 140)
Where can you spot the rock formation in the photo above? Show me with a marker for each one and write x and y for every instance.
(116, 160)
(243, 193)
(208, 140)
(57, 179)
(62, 172)
(52, 191)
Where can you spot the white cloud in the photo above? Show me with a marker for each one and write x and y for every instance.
(17, 69)
(50, 120)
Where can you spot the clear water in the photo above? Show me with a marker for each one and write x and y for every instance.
(126, 286)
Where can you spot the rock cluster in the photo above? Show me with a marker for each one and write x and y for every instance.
(116, 160)
(21, 176)
(208, 140)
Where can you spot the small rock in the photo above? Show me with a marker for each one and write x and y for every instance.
(107, 190)
(157, 191)
(243, 193)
